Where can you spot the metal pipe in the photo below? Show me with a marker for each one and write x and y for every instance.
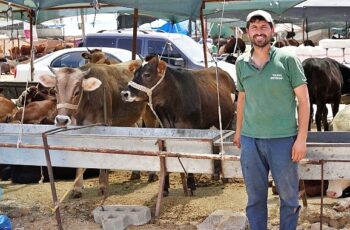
(322, 184)
(31, 17)
(163, 172)
(52, 181)
(204, 36)
(134, 33)
(150, 153)
(127, 152)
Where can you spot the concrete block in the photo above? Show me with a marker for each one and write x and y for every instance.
(316, 226)
(119, 217)
(224, 220)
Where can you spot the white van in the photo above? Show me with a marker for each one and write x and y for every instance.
(176, 49)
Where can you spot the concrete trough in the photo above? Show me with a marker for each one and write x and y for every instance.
(331, 147)
(103, 137)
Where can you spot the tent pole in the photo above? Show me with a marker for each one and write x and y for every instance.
(204, 37)
(134, 36)
(31, 21)
(304, 30)
(189, 33)
(82, 23)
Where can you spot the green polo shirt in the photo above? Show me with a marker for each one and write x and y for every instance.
(270, 103)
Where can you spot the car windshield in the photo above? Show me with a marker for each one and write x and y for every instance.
(190, 48)
(43, 57)
(74, 59)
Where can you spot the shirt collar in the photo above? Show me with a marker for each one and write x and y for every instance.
(248, 56)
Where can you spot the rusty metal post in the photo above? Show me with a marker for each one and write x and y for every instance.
(134, 33)
(303, 192)
(184, 183)
(204, 36)
(322, 191)
(52, 181)
(32, 16)
(163, 172)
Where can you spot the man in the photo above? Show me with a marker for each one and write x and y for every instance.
(267, 130)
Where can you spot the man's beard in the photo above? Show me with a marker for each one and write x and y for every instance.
(261, 44)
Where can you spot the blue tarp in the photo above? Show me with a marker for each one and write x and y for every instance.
(172, 28)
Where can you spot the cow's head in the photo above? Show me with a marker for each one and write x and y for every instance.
(70, 84)
(147, 76)
(95, 56)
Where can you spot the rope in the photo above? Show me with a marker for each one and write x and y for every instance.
(183, 167)
(148, 91)
(70, 106)
(222, 152)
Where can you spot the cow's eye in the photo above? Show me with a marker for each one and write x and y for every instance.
(146, 75)
(76, 93)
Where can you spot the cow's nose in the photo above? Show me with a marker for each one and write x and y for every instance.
(125, 95)
(331, 194)
(62, 120)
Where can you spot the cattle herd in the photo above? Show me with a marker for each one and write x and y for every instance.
(150, 93)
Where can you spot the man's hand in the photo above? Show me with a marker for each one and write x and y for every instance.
(237, 140)
(299, 150)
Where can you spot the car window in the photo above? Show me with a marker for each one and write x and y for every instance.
(163, 48)
(71, 59)
(112, 58)
(126, 43)
(74, 59)
(100, 42)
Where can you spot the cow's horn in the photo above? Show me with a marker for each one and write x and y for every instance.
(90, 51)
(52, 70)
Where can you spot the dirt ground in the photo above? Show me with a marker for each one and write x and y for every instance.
(30, 206)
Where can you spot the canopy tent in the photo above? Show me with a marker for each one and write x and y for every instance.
(240, 9)
(177, 10)
(319, 14)
(316, 14)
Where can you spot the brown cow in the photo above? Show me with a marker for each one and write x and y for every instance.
(35, 93)
(231, 47)
(14, 53)
(286, 42)
(36, 112)
(40, 48)
(183, 98)
(98, 57)
(83, 94)
(25, 50)
(7, 108)
(62, 46)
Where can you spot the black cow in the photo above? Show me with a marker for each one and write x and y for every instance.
(327, 81)
(183, 98)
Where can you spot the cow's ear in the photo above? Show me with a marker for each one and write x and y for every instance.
(86, 55)
(91, 84)
(161, 67)
(134, 65)
(47, 80)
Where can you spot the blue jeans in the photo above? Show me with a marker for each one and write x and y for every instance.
(258, 157)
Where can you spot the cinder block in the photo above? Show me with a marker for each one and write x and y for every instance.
(224, 220)
(119, 217)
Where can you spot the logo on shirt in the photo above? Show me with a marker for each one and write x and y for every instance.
(276, 76)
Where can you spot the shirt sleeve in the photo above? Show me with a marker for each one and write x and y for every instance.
(295, 71)
(239, 78)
